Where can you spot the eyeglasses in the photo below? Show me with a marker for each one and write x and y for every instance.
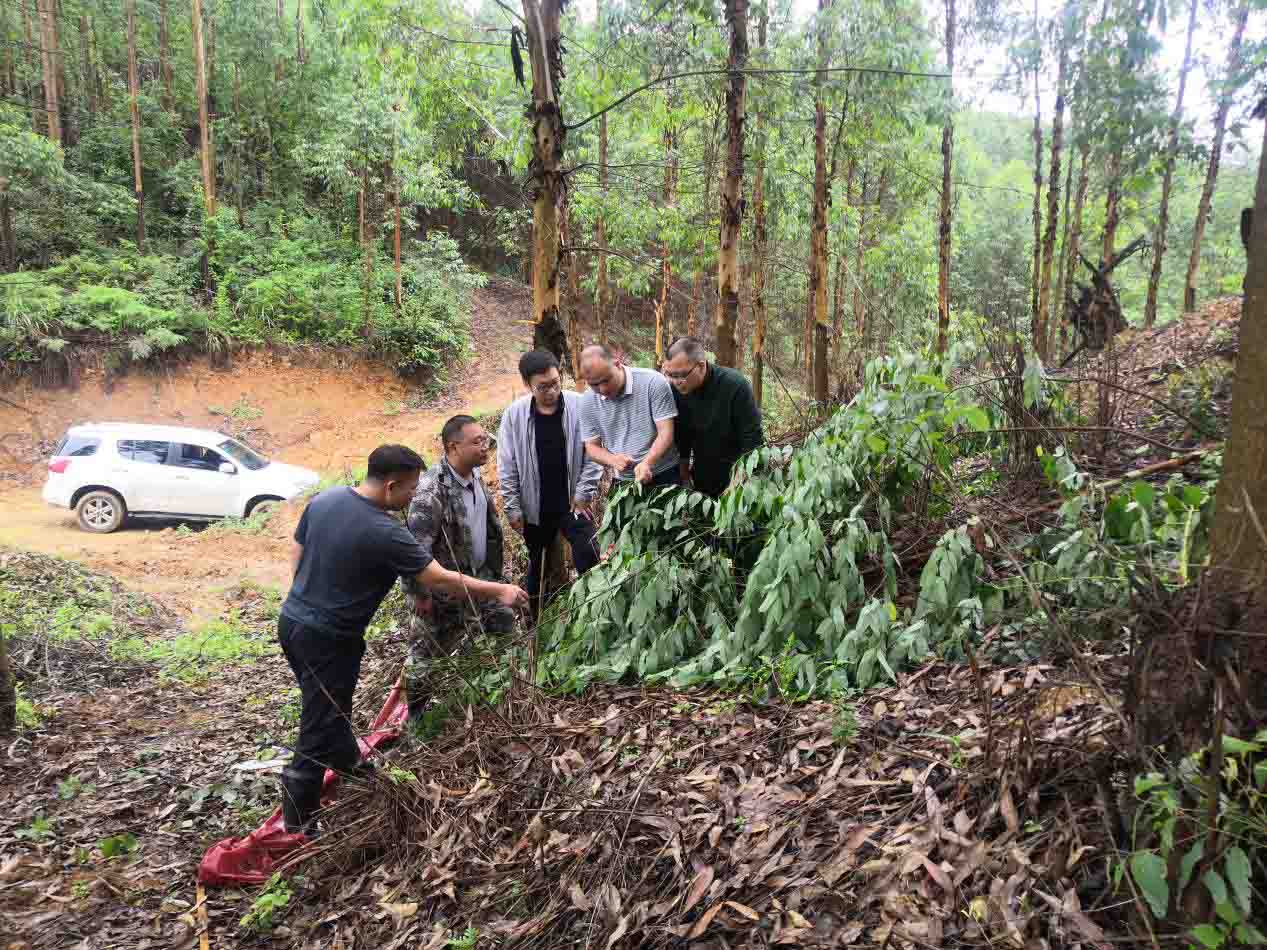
(481, 441)
(679, 377)
(544, 388)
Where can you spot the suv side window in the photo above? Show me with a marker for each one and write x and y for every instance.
(77, 446)
(143, 450)
(197, 457)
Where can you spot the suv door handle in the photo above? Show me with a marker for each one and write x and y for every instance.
(181, 478)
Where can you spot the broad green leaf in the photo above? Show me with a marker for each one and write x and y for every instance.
(1189, 863)
(1236, 864)
(1208, 936)
(1149, 873)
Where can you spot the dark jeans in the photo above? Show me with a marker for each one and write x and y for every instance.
(327, 668)
(578, 530)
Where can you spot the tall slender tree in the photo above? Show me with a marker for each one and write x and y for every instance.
(541, 24)
(28, 49)
(48, 58)
(601, 292)
(134, 93)
(1036, 258)
(165, 57)
(759, 235)
(818, 228)
(1168, 174)
(1042, 337)
(1226, 94)
(204, 117)
(947, 203)
(1238, 538)
(86, 66)
(666, 259)
(732, 204)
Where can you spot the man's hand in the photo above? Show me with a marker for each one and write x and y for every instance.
(512, 596)
(643, 473)
(583, 508)
(621, 463)
(517, 524)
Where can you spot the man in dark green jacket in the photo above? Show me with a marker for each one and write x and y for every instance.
(718, 419)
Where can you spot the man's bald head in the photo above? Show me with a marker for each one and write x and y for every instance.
(597, 352)
(600, 370)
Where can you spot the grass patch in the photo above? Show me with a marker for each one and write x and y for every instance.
(192, 656)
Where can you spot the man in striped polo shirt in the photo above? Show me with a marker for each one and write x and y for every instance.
(627, 420)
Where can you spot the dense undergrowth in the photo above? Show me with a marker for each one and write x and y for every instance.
(797, 578)
(282, 279)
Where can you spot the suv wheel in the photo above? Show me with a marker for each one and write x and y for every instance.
(101, 512)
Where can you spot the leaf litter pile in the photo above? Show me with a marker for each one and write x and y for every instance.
(958, 807)
(955, 808)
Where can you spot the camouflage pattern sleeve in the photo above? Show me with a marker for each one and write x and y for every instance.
(423, 520)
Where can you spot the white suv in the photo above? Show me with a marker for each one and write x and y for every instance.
(107, 471)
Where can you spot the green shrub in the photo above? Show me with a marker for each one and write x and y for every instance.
(803, 570)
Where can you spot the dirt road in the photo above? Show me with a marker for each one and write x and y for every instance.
(325, 416)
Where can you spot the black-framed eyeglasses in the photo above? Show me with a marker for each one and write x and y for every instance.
(544, 388)
(680, 377)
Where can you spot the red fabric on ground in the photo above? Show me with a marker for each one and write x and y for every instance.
(252, 860)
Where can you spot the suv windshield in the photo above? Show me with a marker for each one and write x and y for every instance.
(245, 457)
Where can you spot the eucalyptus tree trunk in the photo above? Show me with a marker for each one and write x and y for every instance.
(541, 23)
(279, 64)
(400, 294)
(818, 229)
(1061, 289)
(859, 305)
(1234, 62)
(165, 57)
(1238, 538)
(134, 108)
(944, 218)
(85, 59)
(1079, 207)
(731, 224)
(204, 118)
(759, 235)
(1042, 335)
(572, 304)
(1112, 201)
(662, 330)
(600, 225)
(27, 51)
(697, 287)
(1168, 174)
(301, 54)
(1037, 256)
(48, 60)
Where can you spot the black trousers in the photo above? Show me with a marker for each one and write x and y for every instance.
(327, 668)
(578, 530)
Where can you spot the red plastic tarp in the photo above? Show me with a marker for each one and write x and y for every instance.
(252, 860)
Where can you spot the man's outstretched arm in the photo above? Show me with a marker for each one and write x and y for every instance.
(451, 582)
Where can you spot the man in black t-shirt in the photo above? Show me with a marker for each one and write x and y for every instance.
(348, 552)
(547, 481)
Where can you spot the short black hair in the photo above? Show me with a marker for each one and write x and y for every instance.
(388, 460)
(453, 428)
(535, 362)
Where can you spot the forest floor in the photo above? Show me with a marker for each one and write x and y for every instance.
(957, 806)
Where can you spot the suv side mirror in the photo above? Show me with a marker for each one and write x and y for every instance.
(228, 468)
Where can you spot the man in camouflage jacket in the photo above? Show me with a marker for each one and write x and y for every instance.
(455, 521)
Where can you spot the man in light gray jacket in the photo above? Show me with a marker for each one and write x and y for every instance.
(547, 482)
